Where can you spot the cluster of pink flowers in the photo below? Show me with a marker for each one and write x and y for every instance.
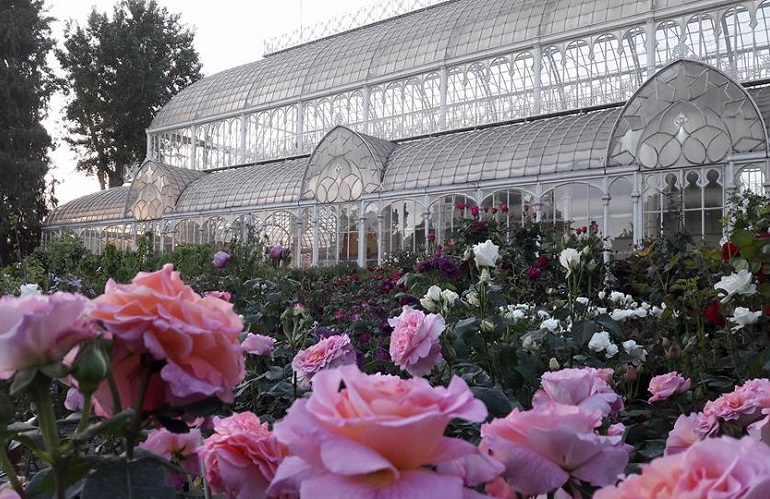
(414, 342)
(334, 351)
(241, 457)
(369, 436)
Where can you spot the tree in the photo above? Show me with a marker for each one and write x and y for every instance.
(26, 84)
(121, 71)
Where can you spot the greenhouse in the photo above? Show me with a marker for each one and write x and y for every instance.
(568, 112)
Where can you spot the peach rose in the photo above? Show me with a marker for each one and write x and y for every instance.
(414, 344)
(666, 385)
(193, 339)
(743, 406)
(716, 467)
(178, 448)
(546, 446)
(333, 351)
(241, 457)
(586, 387)
(36, 330)
(369, 436)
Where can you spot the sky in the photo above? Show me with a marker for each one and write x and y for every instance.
(227, 33)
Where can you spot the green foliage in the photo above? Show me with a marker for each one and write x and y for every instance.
(26, 84)
(122, 70)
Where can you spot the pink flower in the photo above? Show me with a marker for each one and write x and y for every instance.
(330, 352)
(7, 492)
(666, 385)
(221, 259)
(36, 330)
(222, 295)
(684, 434)
(377, 436)
(542, 448)
(716, 467)
(241, 457)
(585, 387)
(475, 211)
(258, 344)
(276, 252)
(73, 400)
(414, 345)
(179, 448)
(743, 405)
(194, 340)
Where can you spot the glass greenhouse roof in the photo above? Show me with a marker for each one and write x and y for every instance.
(102, 205)
(405, 44)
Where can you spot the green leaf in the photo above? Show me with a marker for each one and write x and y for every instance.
(742, 238)
(582, 331)
(465, 326)
(497, 403)
(23, 379)
(611, 325)
(142, 478)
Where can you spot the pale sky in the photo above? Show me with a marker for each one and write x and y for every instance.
(227, 33)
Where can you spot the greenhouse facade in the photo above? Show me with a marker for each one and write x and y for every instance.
(639, 117)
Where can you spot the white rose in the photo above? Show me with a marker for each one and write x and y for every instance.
(635, 350)
(449, 296)
(601, 295)
(737, 284)
(620, 314)
(582, 300)
(529, 344)
(599, 341)
(553, 364)
(569, 258)
(743, 317)
(473, 299)
(29, 289)
(428, 304)
(611, 350)
(433, 293)
(550, 324)
(486, 253)
(617, 297)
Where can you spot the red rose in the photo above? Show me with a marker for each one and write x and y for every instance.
(730, 250)
(713, 314)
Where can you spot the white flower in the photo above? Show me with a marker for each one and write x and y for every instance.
(635, 350)
(449, 296)
(543, 314)
(582, 300)
(433, 293)
(611, 350)
(529, 344)
(486, 326)
(553, 364)
(601, 295)
(486, 253)
(569, 258)
(550, 324)
(743, 317)
(29, 289)
(473, 298)
(641, 312)
(599, 341)
(617, 297)
(620, 314)
(428, 304)
(737, 284)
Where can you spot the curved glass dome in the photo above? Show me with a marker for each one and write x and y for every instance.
(99, 206)
(445, 32)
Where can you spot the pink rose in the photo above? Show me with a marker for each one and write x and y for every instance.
(7, 492)
(684, 434)
(221, 259)
(542, 448)
(330, 352)
(586, 387)
(241, 457)
(716, 467)
(222, 295)
(743, 406)
(414, 345)
(36, 330)
(74, 400)
(258, 344)
(666, 385)
(376, 436)
(194, 340)
(179, 448)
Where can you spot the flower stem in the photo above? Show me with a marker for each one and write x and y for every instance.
(10, 472)
(132, 432)
(85, 413)
(46, 419)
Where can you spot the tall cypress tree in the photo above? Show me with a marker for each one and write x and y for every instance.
(26, 84)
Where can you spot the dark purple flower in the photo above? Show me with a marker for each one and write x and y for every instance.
(448, 267)
(408, 300)
(542, 262)
(533, 273)
(321, 332)
(431, 237)
(221, 259)
(277, 252)
(424, 266)
(381, 355)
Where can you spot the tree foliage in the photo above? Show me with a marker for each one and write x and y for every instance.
(26, 84)
(121, 71)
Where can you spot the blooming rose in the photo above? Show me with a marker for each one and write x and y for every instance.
(666, 385)
(600, 341)
(737, 284)
(743, 317)
(7, 492)
(414, 344)
(730, 250)
(486, 254)
(221, 259)
(377, 436)
(258, 344)
(241, 457)
(569, 258)
(586, 388)
(194, 340)
(716, 467)
(743, 405)
(684, 434)
(222, 295)
(713, 314)
(542, 448)
(29, 289)
(36, 330)
(330, 352)
(178, 448)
